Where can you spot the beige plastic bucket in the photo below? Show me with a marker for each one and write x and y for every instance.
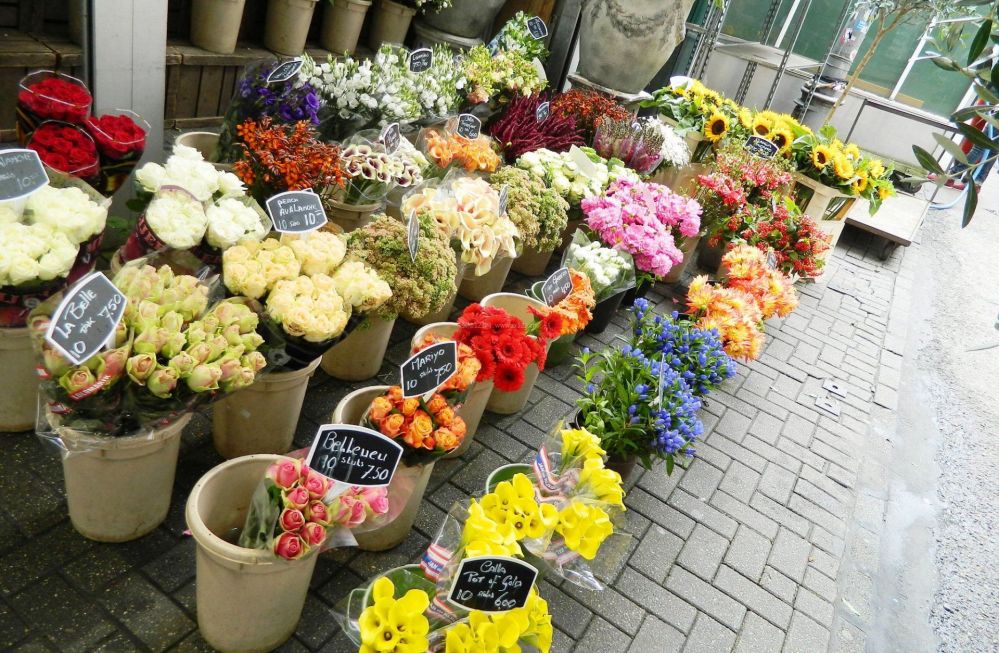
(445, 312)
(474, 287)
(120, 489)
(263, 417)
(508, 403)
(206, 143)
(688, 248)
(248, 600)
(287, 25)
(532, 263)
(390, 23)
(215, 24)
(342, 22)
(19, 394)
(360, 355)
(349, 216)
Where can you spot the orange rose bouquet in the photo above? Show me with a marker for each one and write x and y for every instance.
(427, 429)
(445, 148)
(455, 388)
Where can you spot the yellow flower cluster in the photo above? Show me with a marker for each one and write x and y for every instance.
(599, 483)
(482, 536)
(319, 252)
(584, 526)
(391, 625)
(500, 633)
(308, 307)
(252, 268)
(513, 503)
(360, 286)
(580, 443)
(438, 204)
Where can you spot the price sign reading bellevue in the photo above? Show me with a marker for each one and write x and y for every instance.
(421, 60)
(296, 211)
(429, 369)
(86, 318)
(557, 287)
(354, 455)
(761, 147)
(492, 584)
(21, 173)
(469, 126)
(285, 71)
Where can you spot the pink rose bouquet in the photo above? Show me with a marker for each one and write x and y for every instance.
(646, 220)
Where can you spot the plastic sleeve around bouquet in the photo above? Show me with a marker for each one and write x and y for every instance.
(287, 353)
(183, 226)
(211, 255)
(67, 148)
(369, 170)
(120, 136)
(49, 95)
(445, 148)
(605, 282)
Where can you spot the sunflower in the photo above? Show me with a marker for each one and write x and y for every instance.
(715, 127)
(842, 166)
(746, 118)
(852, 151)
(821, 156)
(781, 137)
(762, 125)
(876, 168)
(885, 191)
(859, 185)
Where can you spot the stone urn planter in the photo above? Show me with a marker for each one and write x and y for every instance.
(215, 24)
(342, 22)
(624, 43)
(389, 24)
(467, 18)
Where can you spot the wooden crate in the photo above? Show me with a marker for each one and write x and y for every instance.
(19, 54)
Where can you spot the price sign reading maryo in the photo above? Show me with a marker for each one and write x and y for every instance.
(354, 455)
(285, 71)
(390, 137)
(492, 584)
(537, 28)
(557, 287)
(21, 173)
(429, 369)
(86, 319)
(761, 147)
(413, 235)
(296, 211)
(469, 126)
(421, 60)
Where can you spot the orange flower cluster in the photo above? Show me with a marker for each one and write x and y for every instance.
(430, 426)
(277, 158)
(468, 365)
(733, 313)
(575, 309)
(745, 268)
(445, 148)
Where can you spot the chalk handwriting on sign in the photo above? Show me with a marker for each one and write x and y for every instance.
(413, 235)
(469, 126)
(354, 455)
(296, 211)
(390, 137)
(421, 60)
(285, 71)
(543, 111)
(87, 317)
(21, 173)
(429, 369)
(492, 584)
(557, 287)
(761, 147)
(537, 28)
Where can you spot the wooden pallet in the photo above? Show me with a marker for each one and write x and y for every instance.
(21, 53)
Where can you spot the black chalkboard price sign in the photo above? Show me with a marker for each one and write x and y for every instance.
(285, 71)
(85, 320)
(469, 126)
(761, 147)
(492, 584)
(427, 370)
(421, 60)
(354, 455)
(557, 287)
(543, 111)
(413, 235)
(772, 259)
(21, 173)
(296, 211)
(390, 137)
(537, 28)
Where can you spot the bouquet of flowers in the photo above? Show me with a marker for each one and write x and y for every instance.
(696, 108)
(295, 510)
(371, 173)
(695, 354)
(518, 131)
(121, 140)
(429, 428)
(639, 144)
(637, 406)
(67, 148)
(609, 270)
(674, 150)
(587, 109)
(502, 344)
(576, 174)
(439, 88)
(500, 77)
(47, 95)
(418, 287)
(538, 212)
(445, 147)
(574, 309)
(455, 388)
(645, 220)
(47, 245)
(733, 314)
(795, 239)
(515, 36)
(745, 268)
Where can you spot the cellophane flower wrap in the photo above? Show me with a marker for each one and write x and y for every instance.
(173, 351)
(296, 511)
(67, 148)
(502, 344)
(48, 95)
(573, 313)
(539, 213)
(637, 406)
(645, 220)
(121, 139)
(515, 36)
(734, 314)
(426, 428)
(575, 174)
(518, 131)
(609, 270)
(372, 173)
(48, 243)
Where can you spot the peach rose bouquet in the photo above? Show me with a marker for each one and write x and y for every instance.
(427, 429)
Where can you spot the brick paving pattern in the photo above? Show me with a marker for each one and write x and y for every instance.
(743, 551)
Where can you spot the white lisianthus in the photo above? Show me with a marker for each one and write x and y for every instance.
(231, 220)
(36, 252)
(177, 219)
(360, 286)
(68, 210)
(318, 252)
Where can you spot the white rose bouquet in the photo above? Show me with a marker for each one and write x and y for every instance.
(610, 270)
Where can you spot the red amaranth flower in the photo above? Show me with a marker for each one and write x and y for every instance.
(519, 132)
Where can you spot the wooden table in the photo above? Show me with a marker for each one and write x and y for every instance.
(897, 222)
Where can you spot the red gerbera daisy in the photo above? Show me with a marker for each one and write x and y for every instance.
(509, 350)
(551, 326)
(508, 378)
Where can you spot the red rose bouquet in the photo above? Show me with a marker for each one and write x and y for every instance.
(502, 344)
(121, 140)
(47, 95)
(67, 148)
(427, 429)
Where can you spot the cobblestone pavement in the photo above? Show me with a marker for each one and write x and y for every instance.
(743, 551)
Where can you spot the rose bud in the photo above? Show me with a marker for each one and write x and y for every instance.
(217, 345)
(254, 360)
(54, 362)
(140, 367)
(226, 312)
(163, 381)
(76, 379)
(316, 484)
(245, 377)
(120, 334)
(290, 546)
(251, 341)
(172, 321)
(291, 519)
(195, 333)
(204, 377)
(319, 513)
(173, 344)
(147, 310)
(232, 335)
(192, 304)
(296, 498)
(376, 498)
(248, 323)
(147, 342)
(210, 323)
(200, 351)
(230, 368)
(314, 534)
(183, 363)
(285, 472)
(111, 363)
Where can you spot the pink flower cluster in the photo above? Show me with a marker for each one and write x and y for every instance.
(304, 516)
(357, 504)
(645, 220)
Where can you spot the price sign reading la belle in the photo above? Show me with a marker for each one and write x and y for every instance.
(21, 173)
(427, 370)
(285, 71)
(557, 287)
(492, 584)
(87, 317)
(354, 455)
(296, 211)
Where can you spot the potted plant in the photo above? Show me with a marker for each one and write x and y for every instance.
(287, 25)
(342, 22)
(538, 213)
(702, 116)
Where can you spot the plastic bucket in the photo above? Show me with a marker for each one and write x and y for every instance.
(360, 355)
(19, 391)
(215, 24)
(508, 403)
(287, 25)
(342, 22)
(532, 263)
(475, 287)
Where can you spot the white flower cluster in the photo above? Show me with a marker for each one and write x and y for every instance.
(360, 286)
(177, 218)
(576, 174)
(675, 151)
(251, 269)
(485, 235)
(603, 265)
(68, 210)
(188, 169)
(233, 219)
(318, 252)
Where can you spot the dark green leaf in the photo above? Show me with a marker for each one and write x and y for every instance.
(977, 137)
(926, 160)
(979, 42)
(951, 148)
(971, 203)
